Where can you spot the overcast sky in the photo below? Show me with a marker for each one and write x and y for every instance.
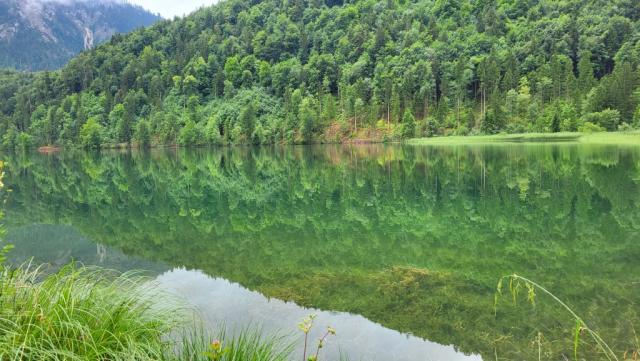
(169, 8)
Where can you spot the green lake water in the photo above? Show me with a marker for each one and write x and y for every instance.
(399, 248)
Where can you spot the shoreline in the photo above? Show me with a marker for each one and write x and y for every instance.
(604, 138)
(608, 138)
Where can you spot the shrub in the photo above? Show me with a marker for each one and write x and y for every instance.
(9, 138)
(191, 134)
(461, 130)
(91, 134)
(430, 127)
(607, 119)
(408, 127)
(625, 127)
(636, 118)
(212, 131)
(23, 141)
(589, 127)
(143, 134)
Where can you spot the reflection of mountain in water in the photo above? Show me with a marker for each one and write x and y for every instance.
(58, 245)
(412, 238)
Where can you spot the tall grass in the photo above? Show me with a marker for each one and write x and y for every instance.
(248, 345)
(81, 313)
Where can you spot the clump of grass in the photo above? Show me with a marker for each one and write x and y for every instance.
(518, 283)
(80, 313)
(249, 344)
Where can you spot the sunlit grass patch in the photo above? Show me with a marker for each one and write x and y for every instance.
(620, 138)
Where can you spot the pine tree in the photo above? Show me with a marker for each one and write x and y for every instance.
(586, 79)
(248, 120)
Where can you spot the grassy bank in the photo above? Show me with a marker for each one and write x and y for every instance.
(621, 138)
(91, 314)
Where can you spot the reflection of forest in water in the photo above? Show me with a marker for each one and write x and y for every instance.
(412, 237)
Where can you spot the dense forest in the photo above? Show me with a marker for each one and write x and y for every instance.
(284, 71)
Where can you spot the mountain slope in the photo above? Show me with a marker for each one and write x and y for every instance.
(276, 71)
(38, 35)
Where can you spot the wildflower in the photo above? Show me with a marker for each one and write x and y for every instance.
(306, 324)
(216, 345)
(216, 352)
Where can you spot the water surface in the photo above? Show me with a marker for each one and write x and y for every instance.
(399, 248)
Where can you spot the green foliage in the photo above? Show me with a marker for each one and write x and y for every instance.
(636, 118)
(191, 134)
(6, 248)
(143, 134)
(493, 72)
(91, 134)
(23, 141)
(308, 116)
(80, 313)
(212, 131)
(408, 126)
(607, 119)
(248, 344)
(248, 120)
(588, 127)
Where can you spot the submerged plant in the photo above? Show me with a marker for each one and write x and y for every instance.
(518, 283)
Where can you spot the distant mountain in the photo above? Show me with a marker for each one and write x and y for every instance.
(45, 34)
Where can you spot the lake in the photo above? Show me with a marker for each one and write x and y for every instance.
(399, 248)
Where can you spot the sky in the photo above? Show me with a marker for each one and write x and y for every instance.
(170, 8)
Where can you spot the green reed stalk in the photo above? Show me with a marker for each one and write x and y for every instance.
(514, 286)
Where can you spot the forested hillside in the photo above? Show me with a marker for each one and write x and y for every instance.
(46, 34)
(323, 70)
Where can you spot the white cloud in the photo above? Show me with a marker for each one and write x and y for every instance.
(166, 8)
(170, 8)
